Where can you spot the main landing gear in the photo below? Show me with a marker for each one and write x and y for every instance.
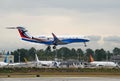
(49, 47)
(54, 48)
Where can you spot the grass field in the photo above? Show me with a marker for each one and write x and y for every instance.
(63, 74)
(58, 72)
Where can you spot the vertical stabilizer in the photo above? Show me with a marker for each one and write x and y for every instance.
(36, 58)
(23, 32)
(6, 57)
(26, 61)
(91, 58)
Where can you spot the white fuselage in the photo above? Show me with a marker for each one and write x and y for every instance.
(2, 64)
(45, 63)
(103, 63)
(61, 37)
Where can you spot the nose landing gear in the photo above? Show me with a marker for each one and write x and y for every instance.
(85, 44)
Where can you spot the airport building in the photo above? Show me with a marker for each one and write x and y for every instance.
(10, 58)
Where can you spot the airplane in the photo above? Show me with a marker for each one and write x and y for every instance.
(47, 40)
(5, 62)
(40, 63)
(22, 64)
(102, 63)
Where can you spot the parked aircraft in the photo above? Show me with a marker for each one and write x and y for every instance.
(40, 63)
(22, 64)
(47, 40)
(5, 62)
(102, 63)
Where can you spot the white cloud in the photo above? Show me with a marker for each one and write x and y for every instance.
(112, 39)
(92, 18)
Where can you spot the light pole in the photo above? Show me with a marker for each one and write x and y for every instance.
(19, 56)
(56, 59)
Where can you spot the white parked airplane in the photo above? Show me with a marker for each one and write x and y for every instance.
(5, 62)
(46, 63)
(8, 64)
(102, 63)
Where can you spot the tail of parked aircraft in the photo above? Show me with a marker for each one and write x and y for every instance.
(6, 57)
(26, 61)
(36, 58)
(91, 58)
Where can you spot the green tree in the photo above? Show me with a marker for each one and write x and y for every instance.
(100, 54)
(66, 53)
(80, 54)
(73, 54)
(31, 53)
(41, 54)
(116, 51)
(20, 52)
(108, 56)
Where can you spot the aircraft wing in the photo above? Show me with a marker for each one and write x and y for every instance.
(57, 40)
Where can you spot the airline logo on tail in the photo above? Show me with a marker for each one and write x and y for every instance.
(6, 57)
(23, 32)
(91, 58)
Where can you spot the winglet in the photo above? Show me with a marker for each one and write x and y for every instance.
(55, 37)
(56, 40)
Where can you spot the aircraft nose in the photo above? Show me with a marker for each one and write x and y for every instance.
(87, 40)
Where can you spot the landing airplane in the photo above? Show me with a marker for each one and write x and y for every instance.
(102, 63)
(60, 40)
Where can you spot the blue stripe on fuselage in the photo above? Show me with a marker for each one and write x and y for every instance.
(74, 40)
(64, 41)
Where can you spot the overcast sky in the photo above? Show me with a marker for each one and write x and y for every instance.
(97, 19)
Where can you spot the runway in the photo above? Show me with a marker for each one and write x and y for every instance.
(63, 79)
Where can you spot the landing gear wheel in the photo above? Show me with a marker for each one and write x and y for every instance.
(85, 44)
(54, 47)
(48, 48)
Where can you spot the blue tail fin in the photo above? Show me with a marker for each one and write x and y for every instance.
(6, 57)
